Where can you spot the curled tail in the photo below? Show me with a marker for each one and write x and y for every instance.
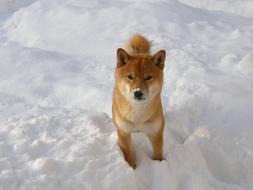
(138, 44)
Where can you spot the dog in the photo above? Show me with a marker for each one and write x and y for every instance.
(136, 104)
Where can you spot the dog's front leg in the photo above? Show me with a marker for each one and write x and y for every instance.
(124, 141)
(156, 140)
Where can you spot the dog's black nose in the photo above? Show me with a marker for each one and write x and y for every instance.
(138, 94)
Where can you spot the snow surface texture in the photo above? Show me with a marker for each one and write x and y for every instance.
(57, 62)
(241, 7)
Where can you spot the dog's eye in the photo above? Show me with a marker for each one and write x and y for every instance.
(130, 77)
(148, 77)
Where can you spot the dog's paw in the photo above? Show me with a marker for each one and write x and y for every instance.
(159, 158)
(132, 164)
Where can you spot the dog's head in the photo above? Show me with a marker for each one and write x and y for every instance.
(139, 77)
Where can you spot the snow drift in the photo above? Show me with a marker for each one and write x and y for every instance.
(56, 78)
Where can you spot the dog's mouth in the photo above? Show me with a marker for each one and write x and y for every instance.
(139, 99)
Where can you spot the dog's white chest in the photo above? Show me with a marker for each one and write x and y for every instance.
(147, 127)
(137, 120)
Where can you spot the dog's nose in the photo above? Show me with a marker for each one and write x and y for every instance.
(138, 94)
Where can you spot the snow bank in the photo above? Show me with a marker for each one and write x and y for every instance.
(246, 64)
(7, 6)
(242, 7)
(56, 79)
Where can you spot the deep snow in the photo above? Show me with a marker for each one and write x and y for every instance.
(57, 62)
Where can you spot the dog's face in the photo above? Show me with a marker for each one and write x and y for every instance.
(139, 77)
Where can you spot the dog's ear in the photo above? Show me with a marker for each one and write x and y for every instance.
(159, 59)
(122, 57)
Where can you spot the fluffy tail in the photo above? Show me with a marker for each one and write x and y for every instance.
(138, 44)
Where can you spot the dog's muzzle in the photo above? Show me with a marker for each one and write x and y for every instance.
(138, 94)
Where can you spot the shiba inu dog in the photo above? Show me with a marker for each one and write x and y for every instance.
(136, 105)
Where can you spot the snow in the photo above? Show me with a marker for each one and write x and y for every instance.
(56, 79)
(246, 64)
(242, 7)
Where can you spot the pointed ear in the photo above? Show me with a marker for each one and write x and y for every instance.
(159, 58)
(122, 57)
